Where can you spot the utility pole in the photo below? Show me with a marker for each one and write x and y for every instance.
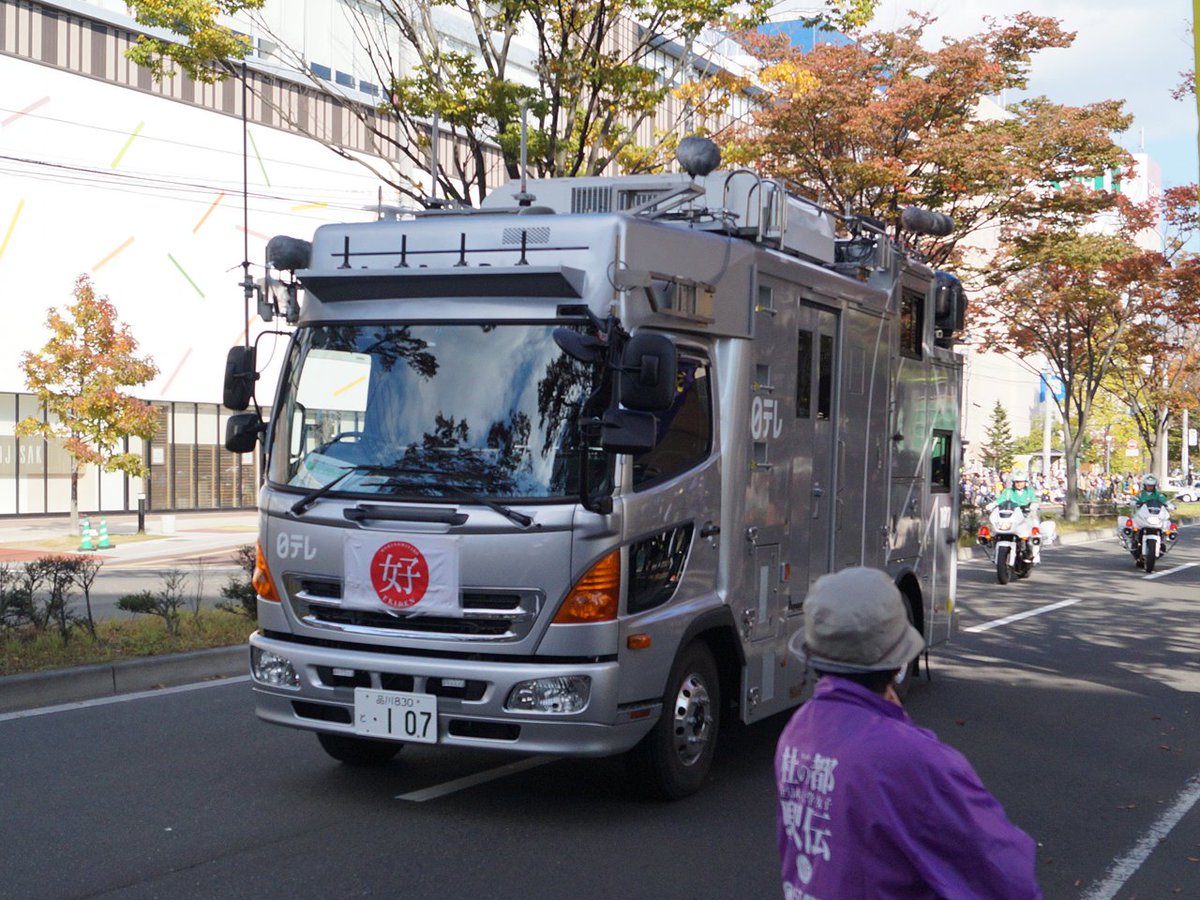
(1185, 464)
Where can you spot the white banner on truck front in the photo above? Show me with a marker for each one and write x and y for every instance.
(416, 573)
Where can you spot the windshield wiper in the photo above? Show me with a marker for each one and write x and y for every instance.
(317, 493)
(308, 499)
(509, 513)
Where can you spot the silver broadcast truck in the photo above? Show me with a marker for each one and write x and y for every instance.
(552, 476)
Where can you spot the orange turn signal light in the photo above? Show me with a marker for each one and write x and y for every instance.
(261, 581)
(596, 595)
(638, 642)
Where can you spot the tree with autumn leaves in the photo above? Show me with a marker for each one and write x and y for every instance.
(1156, 372)
(886, 122)
(79, 376)
(1097, 306)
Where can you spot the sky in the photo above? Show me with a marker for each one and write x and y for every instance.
(1124, 51)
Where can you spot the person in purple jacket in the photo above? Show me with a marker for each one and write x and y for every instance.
(870, 805)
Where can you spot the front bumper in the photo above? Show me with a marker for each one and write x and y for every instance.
(471, 696)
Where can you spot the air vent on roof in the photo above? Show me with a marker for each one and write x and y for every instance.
(532, 235)
(591, 199)
(631, 199)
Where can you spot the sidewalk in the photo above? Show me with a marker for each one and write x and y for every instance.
(211, 533)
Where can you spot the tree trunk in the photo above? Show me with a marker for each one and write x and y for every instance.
(1070, 454)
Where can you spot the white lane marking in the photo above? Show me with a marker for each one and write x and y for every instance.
(1122, 869)
(120, 698)
(459, 784)
(996, 623)
(1160, 574)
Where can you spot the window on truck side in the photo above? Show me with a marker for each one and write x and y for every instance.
(912, 324)
(684, 430)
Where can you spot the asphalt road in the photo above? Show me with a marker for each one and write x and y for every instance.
(1083, 718)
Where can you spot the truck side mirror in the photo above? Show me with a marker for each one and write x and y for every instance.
(648, 368)
(627, 431)
(240, 375)
(949, 308)
(242, 431)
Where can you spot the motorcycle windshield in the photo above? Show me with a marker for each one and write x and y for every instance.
(432, 411)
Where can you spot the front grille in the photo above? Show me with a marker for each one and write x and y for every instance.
(488, 614)
(471, 690)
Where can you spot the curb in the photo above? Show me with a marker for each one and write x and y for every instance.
(33, 689)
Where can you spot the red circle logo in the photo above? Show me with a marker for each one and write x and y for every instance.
(399, 574)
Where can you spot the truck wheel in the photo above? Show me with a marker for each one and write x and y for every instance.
(908, 674)
(356, 751)
(674, 758)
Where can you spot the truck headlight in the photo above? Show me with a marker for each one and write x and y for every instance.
(271, 668)
(564, 694)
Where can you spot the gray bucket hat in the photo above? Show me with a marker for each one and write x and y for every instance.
(855, 622)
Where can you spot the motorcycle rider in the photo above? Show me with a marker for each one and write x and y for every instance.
(1151, 494)
(1019, 491)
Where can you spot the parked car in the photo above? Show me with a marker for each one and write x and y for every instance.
(1179, 492)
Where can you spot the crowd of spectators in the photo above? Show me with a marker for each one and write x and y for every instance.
(978, 487)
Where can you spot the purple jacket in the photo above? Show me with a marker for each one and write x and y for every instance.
(872, 806)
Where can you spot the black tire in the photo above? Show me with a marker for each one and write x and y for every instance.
(1151, 558)
(1003, 572)
(357, 751)
(1024, 568)
(907, 675)
(673, 760)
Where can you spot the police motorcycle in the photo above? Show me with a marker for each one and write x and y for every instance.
(1147, 533)
(1013, 539)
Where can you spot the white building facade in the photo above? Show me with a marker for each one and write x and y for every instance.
(139, 185)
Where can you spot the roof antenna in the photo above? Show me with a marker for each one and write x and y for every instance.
(523, 197)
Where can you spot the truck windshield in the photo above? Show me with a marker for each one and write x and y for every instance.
(423, 410)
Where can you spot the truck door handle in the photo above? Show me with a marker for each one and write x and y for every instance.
(710, 530)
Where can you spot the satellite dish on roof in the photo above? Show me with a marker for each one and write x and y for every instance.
(698, 155)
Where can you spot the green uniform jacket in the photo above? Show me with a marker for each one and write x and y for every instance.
(1021, 498)
(1154, 497)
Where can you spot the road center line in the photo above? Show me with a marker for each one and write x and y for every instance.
(996, 623)
(459, 784)
(1169, 571)
(1122, 869)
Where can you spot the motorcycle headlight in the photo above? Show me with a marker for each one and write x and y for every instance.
(1003, 526)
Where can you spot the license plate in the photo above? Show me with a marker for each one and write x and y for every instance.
(396, 714)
